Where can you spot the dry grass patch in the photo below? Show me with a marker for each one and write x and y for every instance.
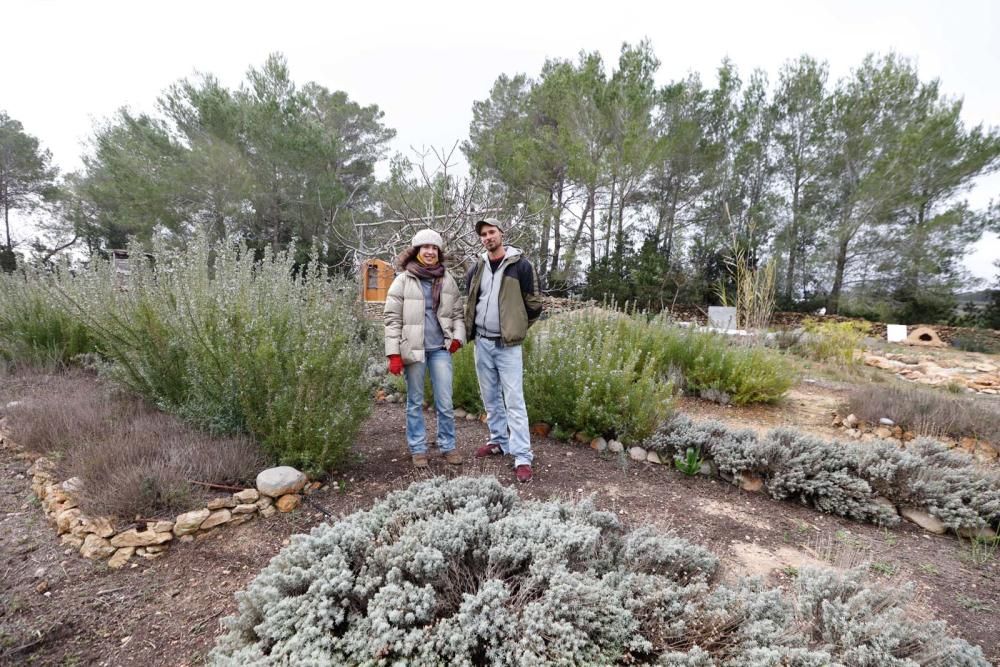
(131, 459)
(928, 412)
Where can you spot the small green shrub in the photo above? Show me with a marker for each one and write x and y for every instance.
(583, 375)
(833, 341)
(690, 463)
(465, 385)
(235, 344)
(34, 327)
(464, 572)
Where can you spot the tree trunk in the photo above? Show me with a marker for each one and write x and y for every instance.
(611, 216)
(556, 238)
(593, 225)
(833, 304)
(543, 251)
(793, 242)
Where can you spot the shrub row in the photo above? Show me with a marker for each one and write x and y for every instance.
(230, 342)
(463, 572)
(927, 412)
(843, 478)
(611, 374)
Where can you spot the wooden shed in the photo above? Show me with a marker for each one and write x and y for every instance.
(376, 277)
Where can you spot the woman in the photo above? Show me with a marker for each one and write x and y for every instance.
(424, 326)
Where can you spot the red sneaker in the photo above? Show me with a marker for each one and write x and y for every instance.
(523, 473)
(489, 449)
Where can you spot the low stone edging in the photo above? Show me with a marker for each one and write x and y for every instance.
(98, 538)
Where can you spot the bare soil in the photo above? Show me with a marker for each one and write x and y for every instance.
(59, 609)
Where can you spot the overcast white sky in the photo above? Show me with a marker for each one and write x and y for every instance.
(70, 63)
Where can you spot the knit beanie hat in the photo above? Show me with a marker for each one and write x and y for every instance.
(427, 237)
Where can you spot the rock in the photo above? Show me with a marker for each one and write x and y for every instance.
(653, 457)
(216, 518)
(186, 538)
(288, 502)
(280, 481)
(883, 432)
(541, 429)
(868, 437)
(984, 533)
(96, 547)
(460, 413)
(133, 538)
(240, 519)
(149, 556)
(248, 508)
(599, 444)
(929, 523)
(885, 421)
(227, 502)
(66, 519)
(885, 502)
(189, 522)
(247, 496)
(581, 437)
(470, 418)
(750, 482)
(850, 421)
(120, 557)
(637, 453)
(39, 573)
(71, 541)
(156, 549)
(99, 525)
(615, 446)
(160, 526)
(707, 468)
(41, 587)
(268, 511)
(263, 502)
(72, 485)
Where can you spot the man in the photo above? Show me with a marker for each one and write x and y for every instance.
(503, 302)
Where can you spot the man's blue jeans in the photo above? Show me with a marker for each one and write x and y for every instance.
(439, 363)
(500, 370)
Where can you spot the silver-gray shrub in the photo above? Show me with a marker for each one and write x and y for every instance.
(847, 479)
(463, 572)
(234, 343)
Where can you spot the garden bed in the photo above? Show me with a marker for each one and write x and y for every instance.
(166, 612)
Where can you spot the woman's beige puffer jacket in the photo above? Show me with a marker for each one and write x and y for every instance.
(404, 317)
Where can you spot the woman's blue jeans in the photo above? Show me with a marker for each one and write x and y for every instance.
(439, 364)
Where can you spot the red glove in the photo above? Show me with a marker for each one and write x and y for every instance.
(395, 364)
(453, 348)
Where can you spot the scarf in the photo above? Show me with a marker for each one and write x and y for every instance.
(435, 273)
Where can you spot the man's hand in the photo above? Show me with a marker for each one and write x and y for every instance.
(395, 364)
(453, 348)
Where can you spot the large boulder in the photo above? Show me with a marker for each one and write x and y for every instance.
(277, 482)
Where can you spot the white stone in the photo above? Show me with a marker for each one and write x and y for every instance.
(460, 413)
(653, 457)
(120, 557)
(850, 421)
(221, 503)
(885, 421)
(277, 482)
(721, 317)
(615, 446)
(637, 453)
(216, 518)
(96, 548)
(929, 523)
(895, 333)
(248, 508)
(133, 538)
(247, 496)
(599, 444)
(189, 522)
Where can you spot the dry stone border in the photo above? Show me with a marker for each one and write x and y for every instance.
(855, 429)
(980, 376)
(99, 538)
